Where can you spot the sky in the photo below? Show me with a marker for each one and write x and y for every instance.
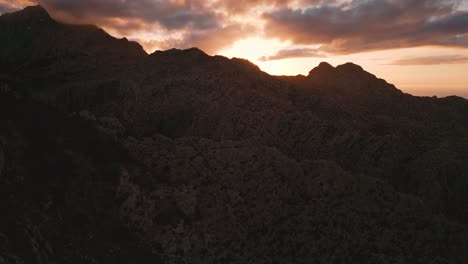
(421, 46)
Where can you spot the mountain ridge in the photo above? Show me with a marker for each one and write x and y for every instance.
(41, 14)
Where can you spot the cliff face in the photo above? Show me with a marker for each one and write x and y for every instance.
(110, 155)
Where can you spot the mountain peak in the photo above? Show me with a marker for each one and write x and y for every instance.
(30, 13)
(195, 50)
(184, 52)
(322, 68)
(325, 64)
(35, 9)
(350, 67)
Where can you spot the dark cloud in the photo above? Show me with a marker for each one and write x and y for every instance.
(170, 14)
(431, 60)
(357, 26)
(294, 53)
(242, 6)
(185, 18)
(234, 7)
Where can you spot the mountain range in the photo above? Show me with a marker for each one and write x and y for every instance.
(112, 155)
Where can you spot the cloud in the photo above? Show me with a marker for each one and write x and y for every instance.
(339, 26)
(179, 23)
(209, 40)
(294, 53)
(431, 60)
(214, 40)
(5, 8)
(243, 6)
(211, 25)
(170, 14)
(8, 6)
(357, 26)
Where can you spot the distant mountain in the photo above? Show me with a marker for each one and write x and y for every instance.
(111, 155)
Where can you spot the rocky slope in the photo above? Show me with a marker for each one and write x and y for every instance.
(110, 155)
(58, 182)
(413, 129)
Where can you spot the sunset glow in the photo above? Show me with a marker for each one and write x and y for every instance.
(420, 46)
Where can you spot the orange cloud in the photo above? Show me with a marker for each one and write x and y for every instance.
(432, 60)
(294, 53)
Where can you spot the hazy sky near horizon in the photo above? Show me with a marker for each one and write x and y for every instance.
(419, 45)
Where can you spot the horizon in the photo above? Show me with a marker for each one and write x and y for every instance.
(432, 63)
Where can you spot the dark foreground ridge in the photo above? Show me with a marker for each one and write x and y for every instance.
(111, 155)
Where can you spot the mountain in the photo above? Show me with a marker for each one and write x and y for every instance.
(112, 155)
(51, 60)
(31, 35)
